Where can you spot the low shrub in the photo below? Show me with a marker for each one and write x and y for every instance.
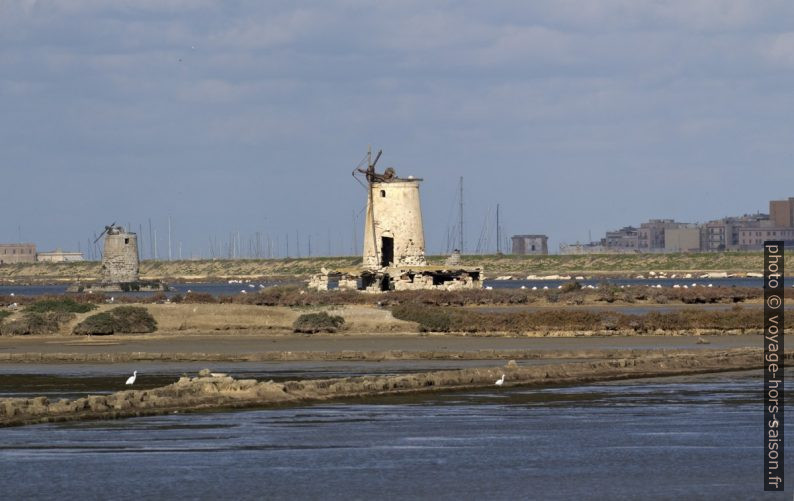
(63, 305)
(317, 322)
(4, 314)
(429, 318)
(120, 320)
(35, 323)
(198, 297)
(99, 324)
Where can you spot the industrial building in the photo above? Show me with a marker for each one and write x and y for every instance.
(59, 256)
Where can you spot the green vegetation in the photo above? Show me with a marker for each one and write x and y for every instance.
(4, 314)
(430, 319)
(63, 305)
(35, 323)
(120, 320)
(317, 322)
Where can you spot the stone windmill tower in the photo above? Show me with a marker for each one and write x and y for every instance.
(120, 255)
(393, 231)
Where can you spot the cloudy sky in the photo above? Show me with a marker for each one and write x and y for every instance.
(249, 116)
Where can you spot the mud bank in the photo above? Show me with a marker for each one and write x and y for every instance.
(325, 356)
(222, 392)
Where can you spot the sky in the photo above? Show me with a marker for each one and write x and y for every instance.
(249, 116)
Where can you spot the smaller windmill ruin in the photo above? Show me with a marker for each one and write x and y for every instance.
(120, 264)
(394, 241)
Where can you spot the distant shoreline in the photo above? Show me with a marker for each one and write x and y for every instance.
(595, 265)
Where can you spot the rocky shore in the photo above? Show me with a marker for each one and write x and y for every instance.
(208, 391)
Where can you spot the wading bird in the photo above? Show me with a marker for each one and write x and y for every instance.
(131, 379)
(501, 381)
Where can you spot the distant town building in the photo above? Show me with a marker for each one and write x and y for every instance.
(682, 239)
(781, 213)
(530, 244)
(651, 235)
(752, 239)
(17, 253)
(626, 238)
(723, 234)
(746, 232)
(59, 256)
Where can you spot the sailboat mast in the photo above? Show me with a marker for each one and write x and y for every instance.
(461, 214)
(498, 233)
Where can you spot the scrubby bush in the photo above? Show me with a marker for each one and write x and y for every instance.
(120, 320)
(4, 314)
(199, 297)
(35, 323)
(99, 324)
(63, 305)
(317, 322)
(429, 318)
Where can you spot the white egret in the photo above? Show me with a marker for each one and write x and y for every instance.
(500, 381)
(131, 379)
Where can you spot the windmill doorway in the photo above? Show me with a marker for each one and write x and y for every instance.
(386, 251)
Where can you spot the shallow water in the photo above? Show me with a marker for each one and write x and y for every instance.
(695, 437)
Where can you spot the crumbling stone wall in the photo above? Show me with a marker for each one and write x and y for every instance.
(120, 257)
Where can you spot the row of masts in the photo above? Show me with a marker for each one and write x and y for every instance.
(456, 235)
(234, 245)
(264, 245)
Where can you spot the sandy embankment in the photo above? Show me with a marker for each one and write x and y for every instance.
(204, 393)
(231, 332)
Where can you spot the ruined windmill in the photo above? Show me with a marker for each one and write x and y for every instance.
(393, 231)
(119, 256)
(394, 241)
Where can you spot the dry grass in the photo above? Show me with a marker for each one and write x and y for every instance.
(220, 317)
(203, 318)
(440, 319)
